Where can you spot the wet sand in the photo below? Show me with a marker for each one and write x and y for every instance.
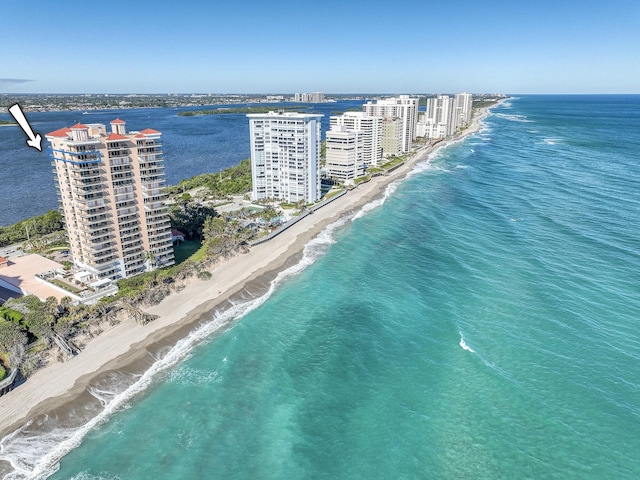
(55, 391)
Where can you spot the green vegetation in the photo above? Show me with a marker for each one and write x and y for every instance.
(225, 111)
(333, 193)
(37, 227)
(393, 162)
(185, 249)
(65, 285)
(10, 315)
(351, 109)
(3, 373)
(230, 181)
(483, 103)
(7, 122)
(190, 218)
(204, 275)
(32, 331)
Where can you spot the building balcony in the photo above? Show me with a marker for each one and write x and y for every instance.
(103, 265)
(106, 254)
(119, 160)
(124, 197)
(156, 171)
(125, 211)
(154, 207)
(133, 256)
(158, 223)
(94, 233)
(157, 235)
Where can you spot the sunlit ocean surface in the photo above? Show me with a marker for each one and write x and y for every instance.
(480, 321)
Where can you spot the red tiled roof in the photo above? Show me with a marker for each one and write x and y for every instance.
(78, 126)
(116, 136)
(61, 132)
(118, 121)
(140, 135)
(149, 131)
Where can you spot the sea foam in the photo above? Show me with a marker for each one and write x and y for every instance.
(34, 454)
(464, 345)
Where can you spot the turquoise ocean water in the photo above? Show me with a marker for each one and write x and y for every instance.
(478, 322)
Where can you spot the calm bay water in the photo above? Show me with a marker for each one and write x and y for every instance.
(191, 145)
(478, 322)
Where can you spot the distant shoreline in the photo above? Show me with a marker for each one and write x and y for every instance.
(59, 386)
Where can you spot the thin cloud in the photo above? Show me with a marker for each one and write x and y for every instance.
(7, 82)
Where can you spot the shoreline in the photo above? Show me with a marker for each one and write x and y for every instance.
(127, 344)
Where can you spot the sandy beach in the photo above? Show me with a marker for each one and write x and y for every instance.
(127, 342)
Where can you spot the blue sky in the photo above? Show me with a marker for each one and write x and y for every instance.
(240, 46)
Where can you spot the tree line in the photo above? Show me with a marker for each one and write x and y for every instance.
(34, 227)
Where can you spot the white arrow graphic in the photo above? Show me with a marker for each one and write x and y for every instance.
(35, 141)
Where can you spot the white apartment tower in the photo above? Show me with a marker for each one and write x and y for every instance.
(370, 128)
(344, 149)
(403, 107)
(445, 115)
(110, 190)
(462, 104)
(285, 156)
(440, 118)
(391, 138)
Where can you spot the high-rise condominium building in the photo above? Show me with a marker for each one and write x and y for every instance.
(404, 107)
(445, 115)
(462, 104)
(440, 117)
(370, 128)
(285, 156)
(315, 97)
(110, 191)
(344, 148)
(391, 138)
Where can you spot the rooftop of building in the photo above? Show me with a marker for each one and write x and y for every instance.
(99, 131)
(282, 113)
(21, 273)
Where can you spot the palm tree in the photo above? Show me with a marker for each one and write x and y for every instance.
(149, 260)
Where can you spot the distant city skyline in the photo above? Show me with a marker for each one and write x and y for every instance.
(352, 47)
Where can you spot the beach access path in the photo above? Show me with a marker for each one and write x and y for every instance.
(60, 383)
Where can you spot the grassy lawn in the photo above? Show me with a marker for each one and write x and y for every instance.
(65, 285)
(393, 163)
(185, 249)
(333, 193)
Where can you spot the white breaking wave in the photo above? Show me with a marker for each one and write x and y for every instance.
(514, 118)
(36, 455)
(464, 345)
(392, 187)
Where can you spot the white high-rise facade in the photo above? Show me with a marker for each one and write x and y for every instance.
(462, 104)
(315, 97)
(370, 128)
(439, 117)
(110, 187)
(403, 107)
(285, 156)
(391, 139)
(344, 149)
(445, 115)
